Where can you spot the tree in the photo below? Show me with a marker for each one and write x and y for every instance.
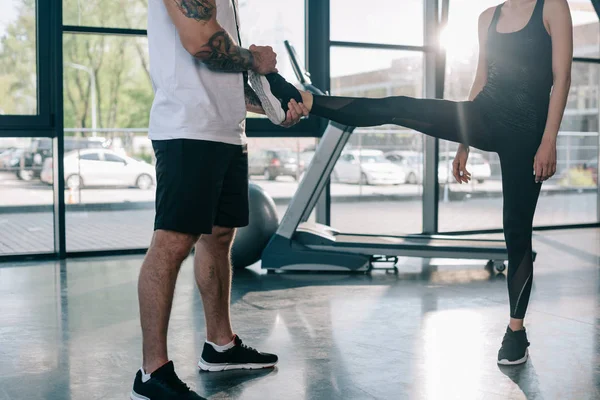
(18, 78)
(119, 64)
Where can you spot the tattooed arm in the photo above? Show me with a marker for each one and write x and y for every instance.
(203, 37)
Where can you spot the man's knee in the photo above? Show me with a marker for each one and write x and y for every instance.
(221, 238)
(174, 245)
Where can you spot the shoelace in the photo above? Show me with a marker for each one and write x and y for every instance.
(177, 384)
(247, 348)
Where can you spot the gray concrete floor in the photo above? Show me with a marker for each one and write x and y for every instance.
(70, 330)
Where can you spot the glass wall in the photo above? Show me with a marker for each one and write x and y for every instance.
(107, 93)
(571, 196)
(270, 23)
(130, 14)
(277, 165)
(378, 21)
(109, 174)
(18, 58)
(380, 172)
(26, 203)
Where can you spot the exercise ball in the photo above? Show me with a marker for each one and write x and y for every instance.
(251, 240)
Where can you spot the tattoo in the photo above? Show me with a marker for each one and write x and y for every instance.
(200, 10)
(222, 54)
(251, 97)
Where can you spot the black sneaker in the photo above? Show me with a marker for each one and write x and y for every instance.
(514, 348)
(239, 356)
(162, 384)
(274, 93)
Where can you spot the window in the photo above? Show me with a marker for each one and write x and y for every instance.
(90, 157)
(279, 166)
(377, 21)
(131, 14)
(384, 192)
(108, 96)
(26, 200)
(571, 196)
(18, 58)
(112, 158)
(270, 22)
(586, 35)
(568, 198)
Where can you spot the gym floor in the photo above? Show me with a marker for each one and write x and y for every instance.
(70, 330)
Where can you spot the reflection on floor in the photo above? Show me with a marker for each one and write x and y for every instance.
(70, 330)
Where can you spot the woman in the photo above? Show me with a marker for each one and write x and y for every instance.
(515, 108)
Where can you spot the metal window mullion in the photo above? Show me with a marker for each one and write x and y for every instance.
(56, 45)
(318, 56)
(431, 145)
(98, 30)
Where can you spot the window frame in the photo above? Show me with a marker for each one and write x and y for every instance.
(40, 124)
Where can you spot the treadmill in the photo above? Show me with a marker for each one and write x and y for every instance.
(300, 245)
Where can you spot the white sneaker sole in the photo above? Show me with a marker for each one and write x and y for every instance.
(208, 367)
(270, 103)
(135, 396)
(516, 362)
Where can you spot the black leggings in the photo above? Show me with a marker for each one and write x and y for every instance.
(464, 122)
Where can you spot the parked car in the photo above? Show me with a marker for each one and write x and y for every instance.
(412, 163)
(477, 165)
(273, 163)
(367, 167)
(7, 157)
(100, 167)
(31, 163)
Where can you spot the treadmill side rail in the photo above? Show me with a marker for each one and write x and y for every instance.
(284, 254)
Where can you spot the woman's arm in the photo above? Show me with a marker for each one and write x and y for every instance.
(459, 166)
(485, 19)
(557, 19)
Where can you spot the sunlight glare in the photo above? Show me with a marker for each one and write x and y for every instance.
(459, 40)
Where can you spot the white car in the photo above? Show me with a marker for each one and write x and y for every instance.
(478, 166)
(412, 163)
(99, 167)
(367, 167)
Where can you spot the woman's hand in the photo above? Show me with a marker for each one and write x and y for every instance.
(459, 165)
(544, 164)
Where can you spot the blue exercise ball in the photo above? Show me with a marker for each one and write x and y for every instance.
(251, 240)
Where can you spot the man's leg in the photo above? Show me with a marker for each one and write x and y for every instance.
(185, 197)
(224, 350)
(212, 268)
(155, 291)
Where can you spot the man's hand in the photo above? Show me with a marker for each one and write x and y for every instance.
(544, 164)
(264, 59)
(459, 165)
(295, 113)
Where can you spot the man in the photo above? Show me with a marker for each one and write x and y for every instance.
(197, 124)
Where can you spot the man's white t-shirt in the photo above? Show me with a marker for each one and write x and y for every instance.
(191, 101)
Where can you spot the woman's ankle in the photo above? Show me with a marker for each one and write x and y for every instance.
(516, 324)
(307, 99)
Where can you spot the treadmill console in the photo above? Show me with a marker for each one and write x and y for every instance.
(301, 73)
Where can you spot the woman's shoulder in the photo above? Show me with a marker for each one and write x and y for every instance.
(556, 6)
(485, 18)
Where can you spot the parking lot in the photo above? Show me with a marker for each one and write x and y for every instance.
(120, 218)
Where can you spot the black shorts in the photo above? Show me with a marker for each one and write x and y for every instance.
(200, 184)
